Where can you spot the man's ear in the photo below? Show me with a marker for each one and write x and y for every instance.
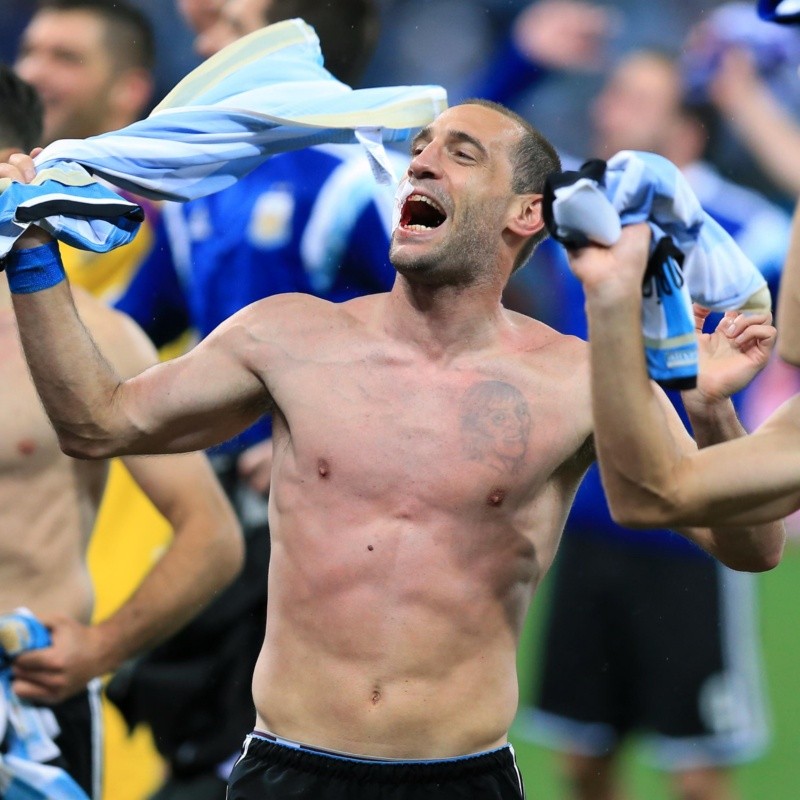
(526, 215)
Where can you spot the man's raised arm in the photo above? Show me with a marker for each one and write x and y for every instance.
(652, 472)
(187, 404)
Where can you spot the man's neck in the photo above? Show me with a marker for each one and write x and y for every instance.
(444, 321)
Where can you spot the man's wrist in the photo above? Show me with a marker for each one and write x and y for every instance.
(612, 293)
(713, 420)
(31, 237)
(34, 269)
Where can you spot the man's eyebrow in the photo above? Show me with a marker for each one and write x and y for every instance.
(426, 134)
(462, 136)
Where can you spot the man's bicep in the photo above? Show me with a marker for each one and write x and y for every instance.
(197, 400)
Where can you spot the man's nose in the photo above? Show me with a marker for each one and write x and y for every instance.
(426, 163)
(31, 68)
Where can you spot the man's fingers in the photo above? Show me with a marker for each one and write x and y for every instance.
(24, 165)
(35, 661)
(733, 324)
(37, 691)
(761, 334)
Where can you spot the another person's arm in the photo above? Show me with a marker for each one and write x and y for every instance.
(546, 36)
(652, 472)
(788, 314)
(205, 554)
(767, 128)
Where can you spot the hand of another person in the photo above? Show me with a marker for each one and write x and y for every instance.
(731, 356)
(52, 674)
(619, 268)
(736, 82)
(255, 466)
(564, 34)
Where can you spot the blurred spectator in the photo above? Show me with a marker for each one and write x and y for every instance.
(641, 639)
(413, 29)
(50, 504)
(748, 68)
(91, 63)
(765, 126)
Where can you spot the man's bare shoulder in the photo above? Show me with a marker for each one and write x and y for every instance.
(296, 312)
(535, 337)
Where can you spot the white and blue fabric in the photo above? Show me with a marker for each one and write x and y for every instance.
(70, 205)
(264, 94)
(26, 731)
(693, 259)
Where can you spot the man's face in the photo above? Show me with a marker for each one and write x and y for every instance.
(452, 221)
(236, 18)
(637, 108)
(64, 56)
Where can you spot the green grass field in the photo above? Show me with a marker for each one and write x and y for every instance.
(777, 775)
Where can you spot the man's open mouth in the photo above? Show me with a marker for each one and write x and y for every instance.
(421, 213)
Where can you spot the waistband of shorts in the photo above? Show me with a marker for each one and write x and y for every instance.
(272, 749)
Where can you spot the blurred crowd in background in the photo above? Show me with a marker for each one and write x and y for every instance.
(448, 42)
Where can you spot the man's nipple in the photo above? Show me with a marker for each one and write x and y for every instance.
(26, 447)
(496, 497)
(323, 468)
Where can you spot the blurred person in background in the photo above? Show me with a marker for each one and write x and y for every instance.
(51, 501)
(747, 69)
(312, 221)
(758, 112)
(92, 64)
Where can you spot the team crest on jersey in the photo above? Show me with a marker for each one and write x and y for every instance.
(271, 221)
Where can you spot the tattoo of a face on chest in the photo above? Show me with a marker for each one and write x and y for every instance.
(495, 422)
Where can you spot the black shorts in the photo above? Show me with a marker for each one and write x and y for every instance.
(647, 641)
(275, 770)
(81, 739)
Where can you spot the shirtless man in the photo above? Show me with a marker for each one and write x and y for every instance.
(48, 505)
(647, 480)
(403, 562)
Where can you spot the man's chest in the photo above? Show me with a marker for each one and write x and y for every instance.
(460, 435)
